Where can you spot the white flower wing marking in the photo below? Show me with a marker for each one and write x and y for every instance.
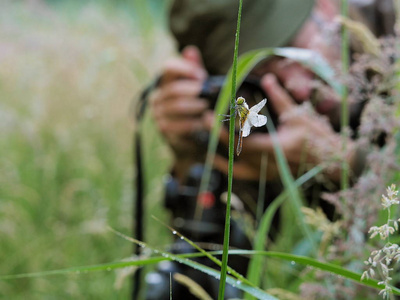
(256, 108)
(246, 127)
(257, 120)
(254, 119)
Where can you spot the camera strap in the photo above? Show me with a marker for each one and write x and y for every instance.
(139, 187)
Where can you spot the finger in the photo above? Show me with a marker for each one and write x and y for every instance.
(280, 99)
(258, 142)
(179, 127)
(193, 54)
(296, 79)
(300, 85)
(182, 88)
(178, 68)
(182, 108)
(189, 66)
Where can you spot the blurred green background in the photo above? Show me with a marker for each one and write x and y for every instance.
(70, 72)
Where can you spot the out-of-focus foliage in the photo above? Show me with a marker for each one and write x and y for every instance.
(69, 73)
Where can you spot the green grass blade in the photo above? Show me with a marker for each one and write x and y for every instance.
(256, 262)
(254, 272)
(236, 282)
(140, 262)
(205, 253)
(331, 268)
(95, 268)
(315, 62)
(183, 258)
(344, 179)
(261, 187)
(289, 184)
(239, 282)
(224, 262)
(259, 294)
(323, 266)
(397, 88)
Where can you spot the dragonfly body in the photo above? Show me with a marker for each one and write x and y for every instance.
(248, 118)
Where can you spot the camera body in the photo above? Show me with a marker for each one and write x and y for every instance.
(206, 229)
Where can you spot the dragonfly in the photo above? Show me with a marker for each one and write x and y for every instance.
(248, 118)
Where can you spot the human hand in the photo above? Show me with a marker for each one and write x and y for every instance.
(302, 85)
(175, 104)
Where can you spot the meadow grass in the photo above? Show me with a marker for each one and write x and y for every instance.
(70, 74)
(68, 77)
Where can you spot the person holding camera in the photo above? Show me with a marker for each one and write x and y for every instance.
(180, 113)
(307, 134)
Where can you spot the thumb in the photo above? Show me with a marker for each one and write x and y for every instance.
(192, 54)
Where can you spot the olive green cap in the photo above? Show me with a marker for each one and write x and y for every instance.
(211, 26)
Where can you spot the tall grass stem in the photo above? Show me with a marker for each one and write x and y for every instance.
(344, 181)
(231, 158)
(261, 186)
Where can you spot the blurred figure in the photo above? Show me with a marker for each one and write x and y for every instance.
(182, 104)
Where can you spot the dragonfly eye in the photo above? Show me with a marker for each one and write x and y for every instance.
(240, 101)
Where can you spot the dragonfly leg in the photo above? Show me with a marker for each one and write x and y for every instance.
(227, 117)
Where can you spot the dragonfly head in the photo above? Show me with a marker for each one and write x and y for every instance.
(240, 101)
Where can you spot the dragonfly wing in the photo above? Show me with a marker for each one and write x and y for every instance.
(256, 108)
(256, 120)
(246, 128)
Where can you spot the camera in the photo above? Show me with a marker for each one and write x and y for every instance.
(205, 229)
